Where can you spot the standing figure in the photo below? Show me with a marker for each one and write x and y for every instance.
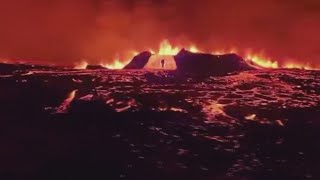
(162, 63)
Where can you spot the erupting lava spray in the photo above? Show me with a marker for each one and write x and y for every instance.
(168, 49)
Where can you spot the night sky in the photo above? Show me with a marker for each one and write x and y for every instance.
(66, 31)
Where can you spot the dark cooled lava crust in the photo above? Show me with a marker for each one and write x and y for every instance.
(137, 124)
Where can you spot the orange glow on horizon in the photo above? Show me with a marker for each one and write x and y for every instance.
(168, 49)
(2, 60)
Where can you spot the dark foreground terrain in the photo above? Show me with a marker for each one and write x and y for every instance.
(158, 125)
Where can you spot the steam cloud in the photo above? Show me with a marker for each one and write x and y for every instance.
(65, 31)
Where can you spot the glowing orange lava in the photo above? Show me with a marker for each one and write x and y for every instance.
(193, 49)
(82, 65)
(71, 96)
(155, 62)
(225, 51)
(262, 61)
(66, 103)
(168, 49)
(290, 65)
(117, 64)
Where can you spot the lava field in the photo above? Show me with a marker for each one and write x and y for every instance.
(156, 125)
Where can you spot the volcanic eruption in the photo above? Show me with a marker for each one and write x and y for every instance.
(168, 51)
(188, 62)
(159, 89)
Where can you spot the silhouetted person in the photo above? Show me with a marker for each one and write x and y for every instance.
(162, 63)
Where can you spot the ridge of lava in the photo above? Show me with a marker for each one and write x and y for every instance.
(258, 59)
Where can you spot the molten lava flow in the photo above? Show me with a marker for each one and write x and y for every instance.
(251, 117)
(66, 103)
(81, 65)
(71, 96)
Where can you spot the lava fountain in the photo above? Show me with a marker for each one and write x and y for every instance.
(167, 50)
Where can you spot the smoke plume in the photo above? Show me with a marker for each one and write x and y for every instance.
(65, 31)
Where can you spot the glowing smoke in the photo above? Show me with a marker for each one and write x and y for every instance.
(64, 32)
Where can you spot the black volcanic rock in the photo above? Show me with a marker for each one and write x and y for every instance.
(6, 68)
(202, 63)
(95, 67)
(139, 61)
